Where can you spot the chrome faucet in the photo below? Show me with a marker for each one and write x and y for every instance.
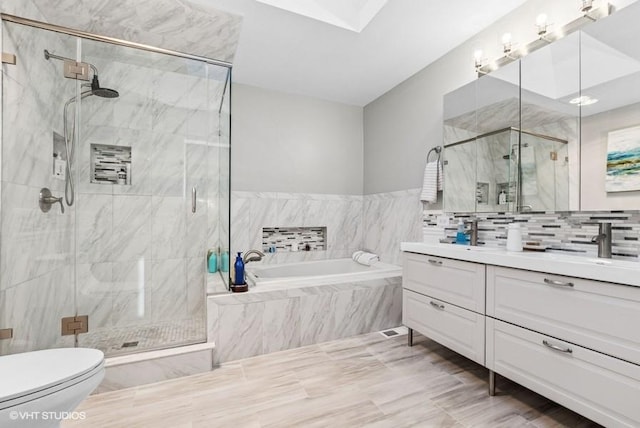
(473, 232)
(603, 238)
(252, 256)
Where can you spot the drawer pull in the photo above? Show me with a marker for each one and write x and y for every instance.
(558, 283)
(557, 348)
(437, 305)
(435, 262)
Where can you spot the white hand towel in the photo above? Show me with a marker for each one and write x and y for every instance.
(432, 182)
(365, 258)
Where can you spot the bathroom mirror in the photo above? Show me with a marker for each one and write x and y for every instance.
(481, 122)
(573, 109)
(610, 128)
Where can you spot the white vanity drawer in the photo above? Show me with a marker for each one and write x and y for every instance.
(602, 388)
(454, 281)
(593, 314)
(458, 329)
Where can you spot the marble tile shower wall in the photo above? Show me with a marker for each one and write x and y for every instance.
(340, 214)
(171, 24)
(36, 251)
(146, 231)
(390, 218)
(570, 233)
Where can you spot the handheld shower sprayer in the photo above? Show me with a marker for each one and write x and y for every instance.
(77, 70)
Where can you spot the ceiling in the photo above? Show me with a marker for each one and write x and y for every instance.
(289, 52)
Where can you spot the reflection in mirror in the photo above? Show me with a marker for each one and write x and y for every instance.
(480, 128)
(610, 141)
(549, 161)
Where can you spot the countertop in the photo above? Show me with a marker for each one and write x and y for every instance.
(609, 270)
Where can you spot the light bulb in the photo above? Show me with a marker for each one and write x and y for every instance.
(506, 38)
(477, 55)
(541, 20)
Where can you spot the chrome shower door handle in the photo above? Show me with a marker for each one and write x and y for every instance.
(194, 199)
(46, 200)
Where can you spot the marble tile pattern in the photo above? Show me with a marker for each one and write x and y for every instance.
(361, 381)
(559, 232)
(155, 370)
(341, 215)
(264, 321)
(136, 252)
(171, 24)
(390, 218)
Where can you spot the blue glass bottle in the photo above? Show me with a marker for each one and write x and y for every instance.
(238, 277)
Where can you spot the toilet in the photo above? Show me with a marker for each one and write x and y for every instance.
(40, 388)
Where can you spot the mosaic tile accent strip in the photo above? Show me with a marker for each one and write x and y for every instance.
(276, 239)
(110, 164)
(558, 232)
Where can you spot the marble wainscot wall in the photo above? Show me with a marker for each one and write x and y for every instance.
(171, 24)
(342, 215)
(390, 218)
(259, 322)
(568, 233)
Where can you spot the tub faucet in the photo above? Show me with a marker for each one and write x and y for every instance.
(252, 256)
(603, 238)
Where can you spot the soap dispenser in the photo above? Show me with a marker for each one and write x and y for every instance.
(461, 237)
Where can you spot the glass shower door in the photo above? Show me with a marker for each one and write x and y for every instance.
(37, 286)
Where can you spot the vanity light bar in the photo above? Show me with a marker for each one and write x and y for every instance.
(546, 37)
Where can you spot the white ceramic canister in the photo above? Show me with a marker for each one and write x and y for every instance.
(514, 237)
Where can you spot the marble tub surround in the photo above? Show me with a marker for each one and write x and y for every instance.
(171, 24)
(342, 215)
(390, 218)
(568, 233)
(366, 380)
(261, 322)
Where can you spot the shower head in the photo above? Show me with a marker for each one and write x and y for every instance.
(102, 92)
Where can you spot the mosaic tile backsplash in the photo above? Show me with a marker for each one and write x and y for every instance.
(276, 239)
(559, 232)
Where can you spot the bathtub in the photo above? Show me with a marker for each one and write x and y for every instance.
(299, 304)
(316, 272)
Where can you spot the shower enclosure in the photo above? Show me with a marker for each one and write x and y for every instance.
(147, 180)
(507, 170)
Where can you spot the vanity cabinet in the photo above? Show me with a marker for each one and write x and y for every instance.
(443, 299)
(573, 340)
(597, 315)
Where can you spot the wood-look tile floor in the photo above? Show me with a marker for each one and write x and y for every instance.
(366, 380)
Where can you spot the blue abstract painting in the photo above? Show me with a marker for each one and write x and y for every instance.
(623, 160)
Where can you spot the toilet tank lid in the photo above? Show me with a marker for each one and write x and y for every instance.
(34, 371)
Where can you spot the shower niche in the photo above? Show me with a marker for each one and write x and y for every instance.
(110, 164)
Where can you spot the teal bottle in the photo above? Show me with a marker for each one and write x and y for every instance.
(224, 261)
(238, 266)
(212, 262)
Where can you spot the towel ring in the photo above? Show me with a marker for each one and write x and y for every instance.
(437, 149)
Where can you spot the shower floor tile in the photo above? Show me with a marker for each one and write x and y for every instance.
(125, 340)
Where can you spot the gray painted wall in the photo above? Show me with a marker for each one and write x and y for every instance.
(293, 143)
(402, 125)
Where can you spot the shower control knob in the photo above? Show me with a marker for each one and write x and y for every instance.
(46, 200)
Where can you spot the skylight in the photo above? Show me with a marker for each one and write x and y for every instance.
(352, 15)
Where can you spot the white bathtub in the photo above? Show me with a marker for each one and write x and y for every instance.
(317, 272)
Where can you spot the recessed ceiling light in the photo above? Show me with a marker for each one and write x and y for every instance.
(584, 100)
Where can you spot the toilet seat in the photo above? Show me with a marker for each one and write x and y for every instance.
(35, 374)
